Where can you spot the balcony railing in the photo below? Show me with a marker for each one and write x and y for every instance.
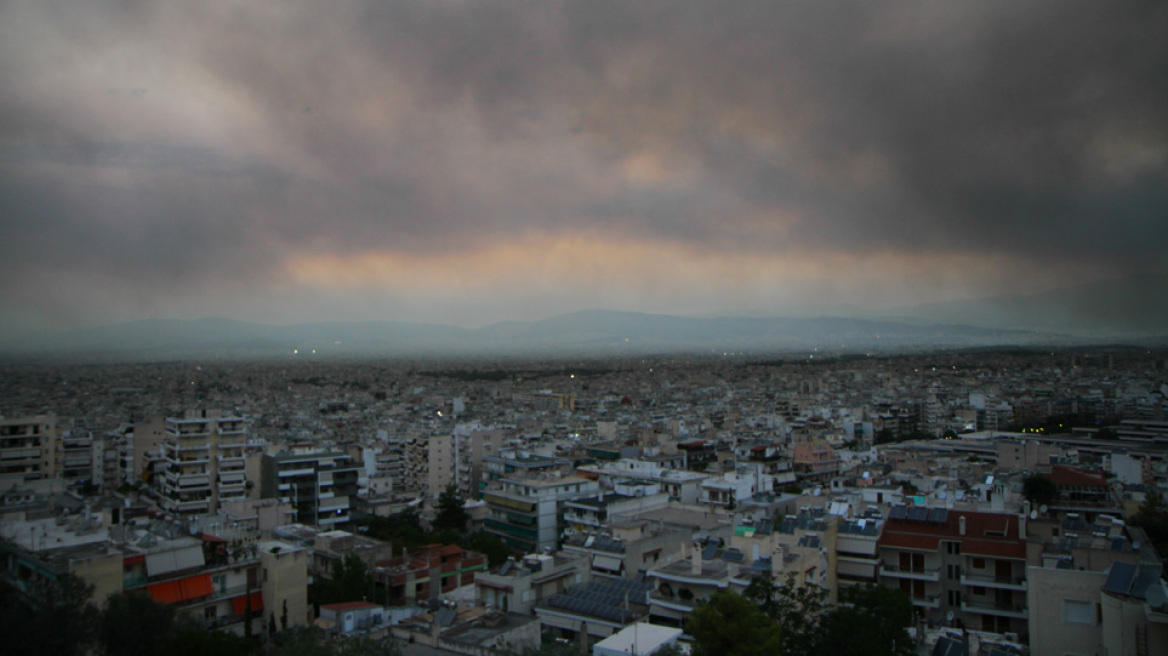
(999, 582)
(927, 601)
(1017, 611)
(919, 574)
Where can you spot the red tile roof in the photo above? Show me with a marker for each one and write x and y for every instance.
(994, 534)
(1066, 476)
(910, 541)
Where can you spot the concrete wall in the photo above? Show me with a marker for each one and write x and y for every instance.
(104, 572)
(284, 579)
(1048, 588)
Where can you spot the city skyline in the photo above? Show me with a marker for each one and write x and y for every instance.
(473, 163)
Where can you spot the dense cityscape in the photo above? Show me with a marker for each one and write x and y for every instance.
(1009, 501)
(583, 328)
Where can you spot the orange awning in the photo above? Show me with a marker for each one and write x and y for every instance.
(166, 593)
(240, 603)
(194, 587)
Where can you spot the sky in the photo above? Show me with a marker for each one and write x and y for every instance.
(468, 162)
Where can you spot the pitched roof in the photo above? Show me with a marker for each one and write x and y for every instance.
(990, 534)
(1067, 476)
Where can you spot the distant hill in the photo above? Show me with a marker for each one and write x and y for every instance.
(1134, 306)
(588, 332)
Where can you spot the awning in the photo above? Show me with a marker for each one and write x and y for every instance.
(173, 592)
(165, 562)
(166, 593)
(195, 587)
(607, 563)
(239, 604)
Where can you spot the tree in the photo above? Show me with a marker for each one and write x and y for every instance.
(350, 581)
(1152, 517)
(1039, 490)
(133, 624)
(797, 609)
(451, 513)
(491, 546)
(871, 620)
(190, 639)
(54, 618)
(729, 624)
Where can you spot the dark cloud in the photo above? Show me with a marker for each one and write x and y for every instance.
(1037, 129)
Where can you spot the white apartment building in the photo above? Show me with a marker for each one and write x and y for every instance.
(203, 462)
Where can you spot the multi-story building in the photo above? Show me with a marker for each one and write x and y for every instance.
(426, 574)
(459, 458)
(527, 512)
(318, 484)
(970, 564)
(856, 558)
(79, 456)
(217, 579)
(28, 448)
(204, 462)
(518, 585)
(595, 513)
(1091, 588)
(732, 488)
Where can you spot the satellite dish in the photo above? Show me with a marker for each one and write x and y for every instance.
(949, 616)
(1042, 509)
(1033, 514)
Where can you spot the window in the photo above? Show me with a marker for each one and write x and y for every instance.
(1078, 612)
(978, 563)
(978, 590)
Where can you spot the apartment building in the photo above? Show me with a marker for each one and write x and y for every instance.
(970, 564)
(28, 449)
(203, 462)
(318, 484)
(517, 586)
(426, 574)
(527, 513)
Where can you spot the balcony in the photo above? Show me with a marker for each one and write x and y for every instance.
(918, 574)
(186, 506)
(1001, 583)
(927, 601)
(1016, 611)
(672, 602)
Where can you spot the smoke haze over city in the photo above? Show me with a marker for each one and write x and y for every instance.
(469, 163)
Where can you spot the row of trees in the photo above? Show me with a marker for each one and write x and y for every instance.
(60, 619)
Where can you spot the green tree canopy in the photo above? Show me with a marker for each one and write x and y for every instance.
(871, 620)
(350, 581)
(1152, 517)
(797, 609)
(451, 513)
(732, 625)
(50, 620)
(133, 624)
(1039, 490)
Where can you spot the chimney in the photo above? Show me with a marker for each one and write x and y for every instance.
(961, 525)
